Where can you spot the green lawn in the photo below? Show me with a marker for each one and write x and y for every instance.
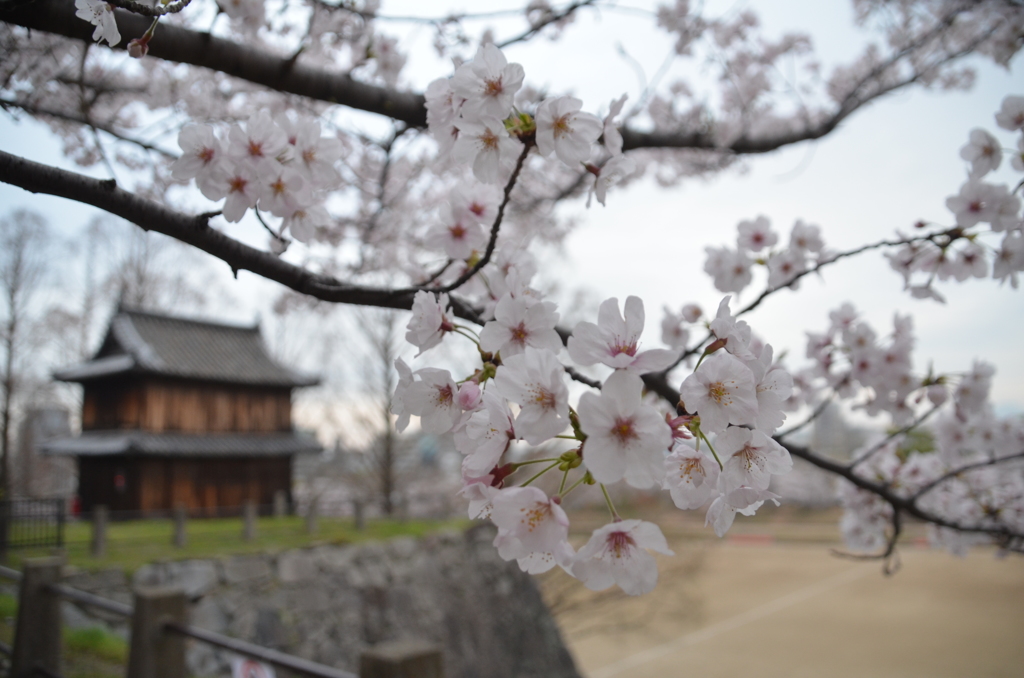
(132, 544)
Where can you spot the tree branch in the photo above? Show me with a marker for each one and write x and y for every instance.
(486, 258)
(964, 469)
(253, 64)
(284, 74)
(195, 231)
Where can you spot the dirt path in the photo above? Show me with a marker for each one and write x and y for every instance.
(727, 609)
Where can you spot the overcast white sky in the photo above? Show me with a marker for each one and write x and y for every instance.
(888, 166)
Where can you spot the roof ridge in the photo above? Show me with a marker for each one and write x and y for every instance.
(195, 320)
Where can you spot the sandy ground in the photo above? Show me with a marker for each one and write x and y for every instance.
(754, 605)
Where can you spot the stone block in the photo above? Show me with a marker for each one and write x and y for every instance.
(296, 566)
(239, 569)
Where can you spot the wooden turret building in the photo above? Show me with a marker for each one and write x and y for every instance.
(182, 412)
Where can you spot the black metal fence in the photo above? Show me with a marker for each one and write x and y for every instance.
(31, 523)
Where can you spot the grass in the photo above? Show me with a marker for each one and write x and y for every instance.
(131, 544)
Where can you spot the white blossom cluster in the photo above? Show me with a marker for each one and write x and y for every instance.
(719, 450)
(850, 360)
(472, 118)
(732, 269)
(962, 254)
(280, 166)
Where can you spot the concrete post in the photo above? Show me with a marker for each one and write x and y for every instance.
(311, 516)
(180, 515)
(37, 633)
(154, 652)
(358, 515)
(401, 659)
(249, 521)
(100, 517)
(280, 503)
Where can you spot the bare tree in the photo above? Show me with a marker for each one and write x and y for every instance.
(379, 329)
(23, 267)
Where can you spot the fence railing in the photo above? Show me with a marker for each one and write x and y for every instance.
(31, 523)
(159, 627)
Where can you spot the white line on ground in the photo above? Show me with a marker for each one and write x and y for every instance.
(725, 625)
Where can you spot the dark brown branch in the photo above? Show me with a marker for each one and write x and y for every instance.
(253, 64)
(555, 17)
(825, 402)
(195, 231)
(889, 555)
(895, 434)
(964, 469)
(907, 505)
(951, 233)
(283, 74)
(486, 258)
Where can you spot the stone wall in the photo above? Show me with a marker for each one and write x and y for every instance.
(328, 603)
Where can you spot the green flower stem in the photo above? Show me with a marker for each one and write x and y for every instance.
(458, 330)
(542, 472)
(611, 506)
(573, 486)
(565, 476)
(538, 461)
(467, 328)
(715, 454)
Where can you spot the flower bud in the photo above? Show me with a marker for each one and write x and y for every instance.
(138, 48)
(469, 396)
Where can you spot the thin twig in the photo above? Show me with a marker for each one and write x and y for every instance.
(495, 227)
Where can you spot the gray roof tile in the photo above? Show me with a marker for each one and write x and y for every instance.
(103, 443)
(149, 343)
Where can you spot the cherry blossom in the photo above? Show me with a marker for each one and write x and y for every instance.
(625, 438)
(806, 237)
(609, 174)
(458, 236)
(729, 268)
(430, 321)
(261, 144)
(745, 501)
(691, 476)
(433, 399)
(486, 435)
(529, 522)
(101, 15)
(749, 459)
(486, 144)
(533, 380)
(756, 235)
(567, 132)
(618, 554)
(735, 334)
(615, 340)
(722, 392)
(487, 84)
(1011, 114)
(518, 324)
(202, 153)
(983, 152)
(610, 132)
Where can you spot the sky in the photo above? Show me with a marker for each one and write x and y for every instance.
(885, 168)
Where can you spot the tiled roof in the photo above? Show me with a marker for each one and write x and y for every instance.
(103, 443)
(148, 343)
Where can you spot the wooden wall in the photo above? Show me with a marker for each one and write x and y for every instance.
(190, 407)
(206, 486)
